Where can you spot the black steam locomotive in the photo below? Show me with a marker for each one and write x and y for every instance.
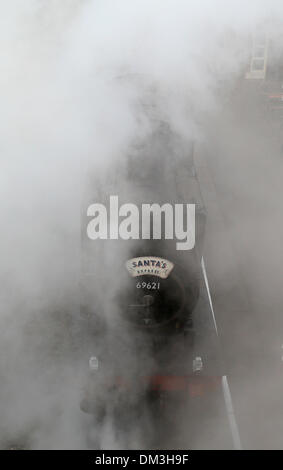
(139, 294)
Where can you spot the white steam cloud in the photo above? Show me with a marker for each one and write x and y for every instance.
(74, 75)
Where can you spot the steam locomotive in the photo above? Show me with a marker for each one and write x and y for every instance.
(140, 307)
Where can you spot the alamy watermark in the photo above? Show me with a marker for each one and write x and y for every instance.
(151, 221)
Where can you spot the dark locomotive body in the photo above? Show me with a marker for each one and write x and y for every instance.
(159, 171)
(140, 330)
